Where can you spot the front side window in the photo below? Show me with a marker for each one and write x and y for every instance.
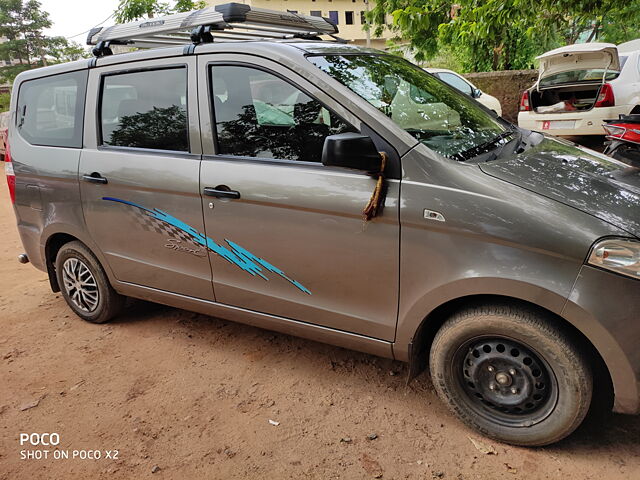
(437, 115)
(258, 114)
(456, 82)
(145, 109)
(51, 110)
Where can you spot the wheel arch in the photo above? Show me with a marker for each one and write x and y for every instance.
(58, 235)
(52, 246)
(418, 350)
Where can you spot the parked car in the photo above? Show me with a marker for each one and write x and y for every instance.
(465, 86)
(4, 122)
(229, 178)
(580, 86)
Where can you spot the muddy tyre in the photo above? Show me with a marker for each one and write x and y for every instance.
(511, 374)
(85, 286)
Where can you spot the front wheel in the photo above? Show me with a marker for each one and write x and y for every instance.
(511, 374)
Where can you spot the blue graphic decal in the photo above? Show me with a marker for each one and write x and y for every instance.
(238, 256)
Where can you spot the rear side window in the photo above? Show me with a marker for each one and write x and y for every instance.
(145, 109)
(51, 110)
(258, 114)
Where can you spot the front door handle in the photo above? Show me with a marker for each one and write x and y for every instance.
(221, 191)
(95, 177)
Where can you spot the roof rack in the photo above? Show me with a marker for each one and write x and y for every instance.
(228, 22)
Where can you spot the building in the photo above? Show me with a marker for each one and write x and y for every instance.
(347, 14)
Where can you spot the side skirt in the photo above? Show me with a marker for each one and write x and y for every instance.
(289, 326)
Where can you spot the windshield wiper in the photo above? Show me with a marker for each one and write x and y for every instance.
(483, 147)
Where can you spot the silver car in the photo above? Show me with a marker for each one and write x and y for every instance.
(230, 179)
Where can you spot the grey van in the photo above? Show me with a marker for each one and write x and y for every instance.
(229, 178)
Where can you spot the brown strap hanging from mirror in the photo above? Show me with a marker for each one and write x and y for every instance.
(377, 198)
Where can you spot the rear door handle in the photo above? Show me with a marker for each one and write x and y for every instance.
(221, 191)
(95, 177)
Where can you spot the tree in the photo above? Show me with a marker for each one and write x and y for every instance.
(130, 10)
(503, 34)
(620, 25)
(22, 24)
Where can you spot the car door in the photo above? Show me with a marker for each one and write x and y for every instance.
(139, 175)
(286, 233)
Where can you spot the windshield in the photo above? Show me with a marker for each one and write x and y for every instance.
(577, 76)
(436, 114)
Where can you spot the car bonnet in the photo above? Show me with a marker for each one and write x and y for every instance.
(578, 177)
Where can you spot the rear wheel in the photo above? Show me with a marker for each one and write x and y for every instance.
(627, 153)
(84, 284)
(511, 374)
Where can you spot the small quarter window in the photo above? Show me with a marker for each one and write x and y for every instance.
(145, 109)
(258, 114)
(51, 110)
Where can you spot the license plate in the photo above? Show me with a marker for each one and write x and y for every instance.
(554, 124)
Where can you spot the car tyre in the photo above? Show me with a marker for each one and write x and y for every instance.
(511, 374)
(85, 286)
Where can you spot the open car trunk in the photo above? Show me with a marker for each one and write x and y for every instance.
(565, 98)
(570, 78)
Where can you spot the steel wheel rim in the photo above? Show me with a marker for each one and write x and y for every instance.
(80, 284)
(505, 381)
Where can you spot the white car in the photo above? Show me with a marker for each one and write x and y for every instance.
(579, 86)
(465, 86)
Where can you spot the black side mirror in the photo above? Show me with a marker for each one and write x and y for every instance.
(476, 93)
(351, 150)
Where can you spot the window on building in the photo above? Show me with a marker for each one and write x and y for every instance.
(363, 19)
(316, 13)
(134, 115)
(51, 110)
(348, 18)
(258, 114)
(333, 16)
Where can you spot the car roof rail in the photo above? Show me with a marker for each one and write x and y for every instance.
(228, 22)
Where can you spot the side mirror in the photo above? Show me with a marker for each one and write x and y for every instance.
(351, 150)
(476, 93)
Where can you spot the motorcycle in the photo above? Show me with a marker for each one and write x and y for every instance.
(623, 137)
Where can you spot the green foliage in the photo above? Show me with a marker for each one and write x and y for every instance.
(22, 24)
(4, 101)
(130, 10)
(621, 25)
(504, 34)
(163, 128)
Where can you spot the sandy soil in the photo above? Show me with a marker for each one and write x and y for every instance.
(189, 396)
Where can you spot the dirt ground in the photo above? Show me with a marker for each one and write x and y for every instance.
(181, 395)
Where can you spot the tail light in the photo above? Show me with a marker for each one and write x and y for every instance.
(524, 102)
(623, 131)
(8, 170)
(605, 97)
